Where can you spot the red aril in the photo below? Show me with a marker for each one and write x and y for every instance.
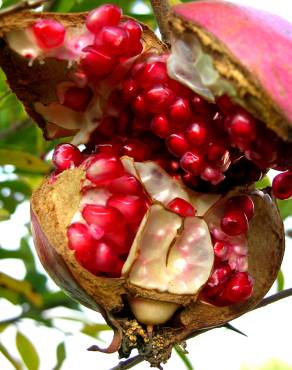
(177, 144)
(115, 40)
(152, 74)
(103, 168)
(135, 149)
(212, 174)
(80, 240)
(103, 216)
(66, 156)
(104, 15)
(77, 98)
(234, 222)
(132, 207)
(197, 134)
(181, 207)
(192, 162)
(120, 237)
(130, 89)
(282, 185)
(160, 126)
(133, 29)
(158, 99)
(217, 154)
(217, 280)
(97, 64)
(49, 33)
(239, 288)
(200, 106)
(139, 106)
(125, 185)
(242, 203)
(179, 112)
(221, 249)
(105, 256)
(242, 129)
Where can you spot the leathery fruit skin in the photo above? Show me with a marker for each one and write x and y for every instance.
(63, 192)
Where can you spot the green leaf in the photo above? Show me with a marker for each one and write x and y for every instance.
(12, 192)
(285, 207)
(93, 330)
(62, 6)
(27, 352)
(23, 161)
(280, 281)
(10, 358)
(263, 183)
(61, 355)
(182, 355)
(4, 214)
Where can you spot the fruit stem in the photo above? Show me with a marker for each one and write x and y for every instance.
(27, 4)
(161, 9)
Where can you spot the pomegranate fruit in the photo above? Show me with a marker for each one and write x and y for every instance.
(156, 222)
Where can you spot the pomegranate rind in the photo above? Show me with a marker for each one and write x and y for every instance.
(263, 84)
(37, 83)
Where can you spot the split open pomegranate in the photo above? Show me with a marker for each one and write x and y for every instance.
(157, 219)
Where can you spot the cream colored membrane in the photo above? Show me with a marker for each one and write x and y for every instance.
(128, 164)
(194, 68)
(191, 258)
(146, 264)
(152, 312)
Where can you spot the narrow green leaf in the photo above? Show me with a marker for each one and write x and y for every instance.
(23, 161)
(280, 281)
(4, 214)
(285, 207)
(182, 355)
(61, 355)
(263, 183)
(27, 352)
(10, 358)
(93, 330)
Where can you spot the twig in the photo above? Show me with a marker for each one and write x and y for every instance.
(4, 134)
(274, 298)
(128, 364)
(161, 10)
(25, 4)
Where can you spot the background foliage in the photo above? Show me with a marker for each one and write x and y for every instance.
(23, 162)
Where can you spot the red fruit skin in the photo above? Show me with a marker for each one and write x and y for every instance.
(269, 32)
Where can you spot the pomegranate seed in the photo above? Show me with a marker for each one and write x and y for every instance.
(192, 162)
(243, 203)
(221, 249)
(217, 154)
(234, 223)
(152, 74)
(177, 144)
(225, 104)
(104, 15)
(114, 40)
(135, 149)
(238, 288)
(96, 231)
(107, 126)
(179, 89)
(105, 256)
(131, 206)
(102, 216)
(139, 105)
(104, 168)
(212, 175)
(81, 241)
(126, 184)
(119, 236)
(134, 30)
(179, 112)
(190, 180)
(49, 33)
(200, 106)
(197, 134)
(77, 98)
(282, 185)
(135, 48)
(181, 207)
(97, 64)
(160, 126)
(242, 129)
(130, 89)
(66, 156)
(217, 280)
(158, 99)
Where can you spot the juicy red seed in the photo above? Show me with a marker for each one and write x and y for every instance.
(119, 236)
(139, 105)
(136, 149)
(217, 280)
(105, 256)
(135, 48)
(234, 222)
(104, 168)
(190, 180)
(264, 152)
(179, 112)
(192, 162)
(179, 89)
(77, 98)
(243, 203)
(160, 126)
(158, 99)
(103, 216)
(216, 153)
(96, 231)
(182, 207)
(104, 15)
(225, 104)
(242, 129)
(200, 106)
(197, 134)
(107, 126)
(125, 185)
(238, 288)
(282, 185)
(115, 40)
(80, 240)
(49, 33)
(134, 30)
(212, 175)
(220, 249)
(130, 89)
(177, 144)
(131, 206)
(152, 74)
(66, 156)
(97, 64)
(116, 270)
